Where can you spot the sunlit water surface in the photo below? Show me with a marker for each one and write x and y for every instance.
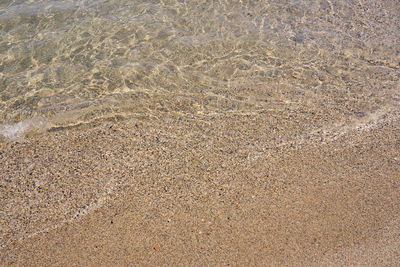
(65, 63)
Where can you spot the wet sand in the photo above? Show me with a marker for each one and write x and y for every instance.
(223, 190)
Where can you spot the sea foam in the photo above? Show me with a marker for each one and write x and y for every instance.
(19, 129)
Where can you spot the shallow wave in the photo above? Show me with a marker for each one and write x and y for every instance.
(336, 58)
(17, 130)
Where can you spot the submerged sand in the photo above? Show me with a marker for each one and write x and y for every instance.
(223, 190)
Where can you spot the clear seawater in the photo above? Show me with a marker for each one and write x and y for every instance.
(64, 63)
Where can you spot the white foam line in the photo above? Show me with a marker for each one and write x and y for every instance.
(327, 134)
(17, 130)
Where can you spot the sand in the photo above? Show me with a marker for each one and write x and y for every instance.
(224, 190)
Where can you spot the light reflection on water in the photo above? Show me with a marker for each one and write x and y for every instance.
(76, 61)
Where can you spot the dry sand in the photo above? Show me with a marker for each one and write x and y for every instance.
(231, 190)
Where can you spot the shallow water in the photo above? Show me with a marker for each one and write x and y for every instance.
(72, 62)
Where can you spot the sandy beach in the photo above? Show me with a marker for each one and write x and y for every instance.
(199, 133)
(187, 191)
